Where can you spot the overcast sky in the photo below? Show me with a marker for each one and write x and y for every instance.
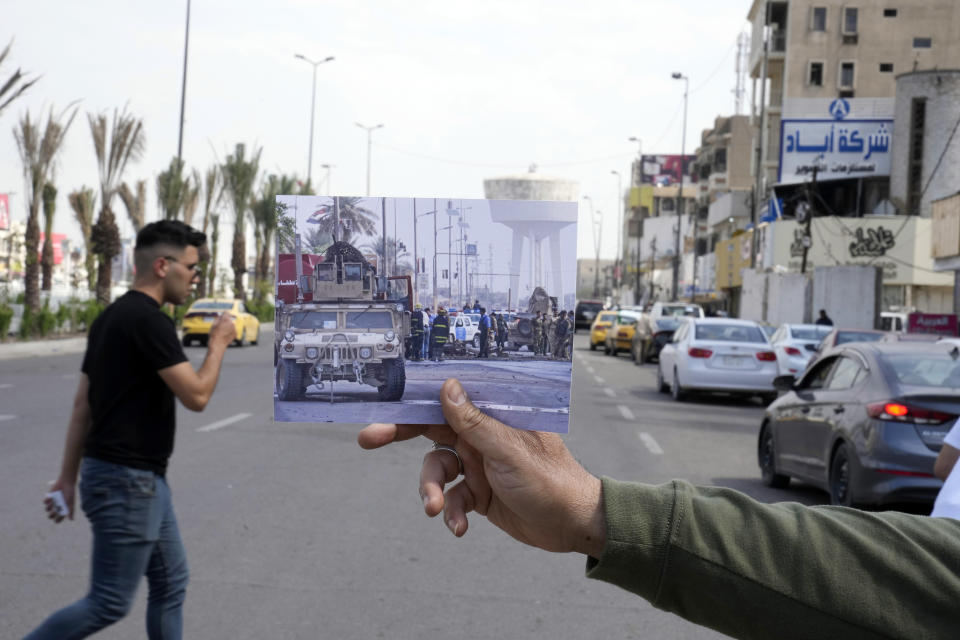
(465, 90)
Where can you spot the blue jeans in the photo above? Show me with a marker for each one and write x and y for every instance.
(134, 534)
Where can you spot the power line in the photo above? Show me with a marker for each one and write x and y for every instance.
(719, 65)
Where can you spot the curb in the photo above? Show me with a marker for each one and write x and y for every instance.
(41, 348)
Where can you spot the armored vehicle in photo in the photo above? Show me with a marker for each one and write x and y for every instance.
(521, 329)
(341, 322)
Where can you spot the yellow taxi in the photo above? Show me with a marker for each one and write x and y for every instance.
(598, 330)
(620, 334)
(203, 313)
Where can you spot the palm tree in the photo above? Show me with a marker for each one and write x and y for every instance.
(396, 252)
(171, 190)
(83, 203)
(125, 143)
(315, 241)
(37, 154)
(286, 231)
(15, 85)
(191, 196)
(212, 194)
(265, 213)
(354, 219)
(239, 175)
(136, 204)
(46, 260)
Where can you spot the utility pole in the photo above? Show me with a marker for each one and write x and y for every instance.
(807, 239)
(758, 187)
(383, 218)
(434, 254)
(653, 265)
(680, 201)
(183, 89)
(416, 260)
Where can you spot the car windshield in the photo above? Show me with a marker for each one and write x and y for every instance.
(212, 306)
(923, 370)
(844, 337)
(668, 324)
(678, 311)
(626, 320)
(729, 333)
(606, 317)
(313, 320)
(369, 320)
(589, 306)
(808, 333)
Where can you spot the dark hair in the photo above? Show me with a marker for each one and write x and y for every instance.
(483, 309)
(170, 233)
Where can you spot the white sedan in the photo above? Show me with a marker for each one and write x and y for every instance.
(718, 354)
(795, 344)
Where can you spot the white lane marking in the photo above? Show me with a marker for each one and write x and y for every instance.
(610, 392)
(6, 417)
(225, 422)
(591, 370)
(499, 407)
(651, 443)
(5, 385)
(598, 379)
(626, 413)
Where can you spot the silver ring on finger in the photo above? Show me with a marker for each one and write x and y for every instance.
(445, 447)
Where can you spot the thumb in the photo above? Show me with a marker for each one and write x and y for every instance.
(485, 434)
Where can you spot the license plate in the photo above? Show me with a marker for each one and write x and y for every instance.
(208, 320)
(734, 361)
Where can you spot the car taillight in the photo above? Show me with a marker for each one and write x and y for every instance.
(767, 356)
(897, 412)
(793, 351)
(699, 353)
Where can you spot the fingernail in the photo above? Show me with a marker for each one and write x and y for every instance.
(452, 526)
(455, 394)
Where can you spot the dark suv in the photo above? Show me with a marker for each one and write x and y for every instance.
(585, 313)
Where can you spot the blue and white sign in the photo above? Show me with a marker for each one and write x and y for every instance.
(847, 140)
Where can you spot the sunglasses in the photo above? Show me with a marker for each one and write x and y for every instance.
(195, 267)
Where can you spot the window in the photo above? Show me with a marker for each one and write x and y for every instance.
(889, 13)
(818, 19)
(846, 75)
(886, 67)
(849, 20)
(922, 43)
(816, 377)
(720, 160)
(845, 374)
(815, 74)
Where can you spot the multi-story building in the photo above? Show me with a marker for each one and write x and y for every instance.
(820, 51)
(725, 180)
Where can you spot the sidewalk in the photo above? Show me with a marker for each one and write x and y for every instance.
(41, 348)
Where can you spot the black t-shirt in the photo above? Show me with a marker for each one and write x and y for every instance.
(132, 409)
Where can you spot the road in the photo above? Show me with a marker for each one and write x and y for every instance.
(523, 392)
(293, 531)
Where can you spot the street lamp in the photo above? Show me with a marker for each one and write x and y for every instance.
(313, 97)
(369, 131)
(683, 150)
(596, 224)
(617, 268)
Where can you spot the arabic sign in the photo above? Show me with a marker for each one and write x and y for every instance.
(942, 324)
(839, 138)
(900, 246)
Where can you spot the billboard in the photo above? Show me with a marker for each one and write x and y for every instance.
(838, 138)
(4, 211)
(665, 169)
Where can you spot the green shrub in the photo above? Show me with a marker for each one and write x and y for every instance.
(46, 319)
(89, 312)
(262, 309)
(28, 323)
(6, 317)
(21, 298)
(64, 313)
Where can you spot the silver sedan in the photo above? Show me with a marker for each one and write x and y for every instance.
(718, 355)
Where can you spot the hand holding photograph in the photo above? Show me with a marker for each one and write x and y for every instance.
(379, 300)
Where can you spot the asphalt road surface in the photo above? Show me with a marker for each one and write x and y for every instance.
(523, 392)
(292, 531)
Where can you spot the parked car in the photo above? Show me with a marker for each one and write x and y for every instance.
(864, 422)
(796, 344)
(646, 346)
(203, 313)
(464, 330)
(599, 327)
(837, 337)
(893, 321)
(718, 354)
(620, 333)
(585, 312)
(677, 309)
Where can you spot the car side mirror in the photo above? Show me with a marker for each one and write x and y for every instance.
(784, 383)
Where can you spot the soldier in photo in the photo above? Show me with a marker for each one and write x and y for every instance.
(439, 334)
(559, 336)
(537, 327)
(568, 345)
(416, 331)
(501, 333)
(547, 337)
(494, 329)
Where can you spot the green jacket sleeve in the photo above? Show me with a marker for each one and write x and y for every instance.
(751, 570)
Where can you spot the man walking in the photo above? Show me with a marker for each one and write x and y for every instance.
(122, 427)
(824, 319)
